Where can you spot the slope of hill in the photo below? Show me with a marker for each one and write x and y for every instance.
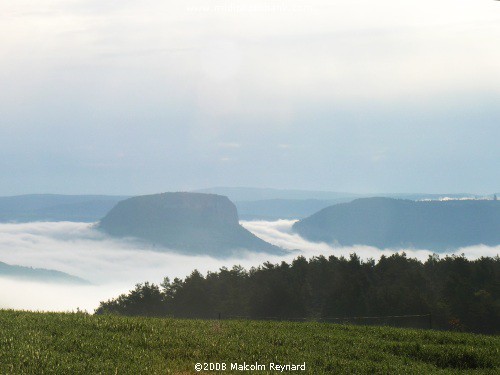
(237, 194)
(274, 204)
(59, 343)
(54, 207)
(252, 204)
(38, 274)
(275, 209)
(394, 223)
(189, 222)
(240, 194)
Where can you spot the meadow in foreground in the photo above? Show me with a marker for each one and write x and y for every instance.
(76, 343)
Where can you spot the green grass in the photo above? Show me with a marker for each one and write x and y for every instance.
(64, 343)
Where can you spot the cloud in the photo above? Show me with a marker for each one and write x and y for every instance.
(116, 265)
(167, 85)
(26, 295)
(81, 250)
(280, 233)
(230, 145)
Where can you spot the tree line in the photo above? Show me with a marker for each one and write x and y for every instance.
(459, 293)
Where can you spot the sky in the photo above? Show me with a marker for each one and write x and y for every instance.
(114, 266)
(136, 97)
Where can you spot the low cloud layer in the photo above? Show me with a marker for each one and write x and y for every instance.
(112, 265)
(115, 265)
(280, 233)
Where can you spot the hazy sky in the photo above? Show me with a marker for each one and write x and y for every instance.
(132, 97)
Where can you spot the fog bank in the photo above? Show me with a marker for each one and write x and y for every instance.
(114, 265)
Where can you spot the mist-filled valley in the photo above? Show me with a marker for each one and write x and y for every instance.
(114, 265)
(224, 184)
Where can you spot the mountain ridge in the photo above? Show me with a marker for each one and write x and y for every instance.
(397, 223)
(56, 207)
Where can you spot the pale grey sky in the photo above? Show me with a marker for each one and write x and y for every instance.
(133, 97)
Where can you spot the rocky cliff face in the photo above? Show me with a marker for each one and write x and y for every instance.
(186, 222)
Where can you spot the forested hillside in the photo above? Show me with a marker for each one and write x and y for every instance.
(460, 294)
(398, 223)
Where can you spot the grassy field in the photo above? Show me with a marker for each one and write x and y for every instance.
(61, 343)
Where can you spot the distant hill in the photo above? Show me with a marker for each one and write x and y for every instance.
(395, 223)
(274, 209)
(237, 194)
(433, 197)
(191, 223)
(54, 207)
(274, 204)
(39, 275)
(252, 204)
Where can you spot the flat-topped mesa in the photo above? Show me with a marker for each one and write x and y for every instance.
(191, 223)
